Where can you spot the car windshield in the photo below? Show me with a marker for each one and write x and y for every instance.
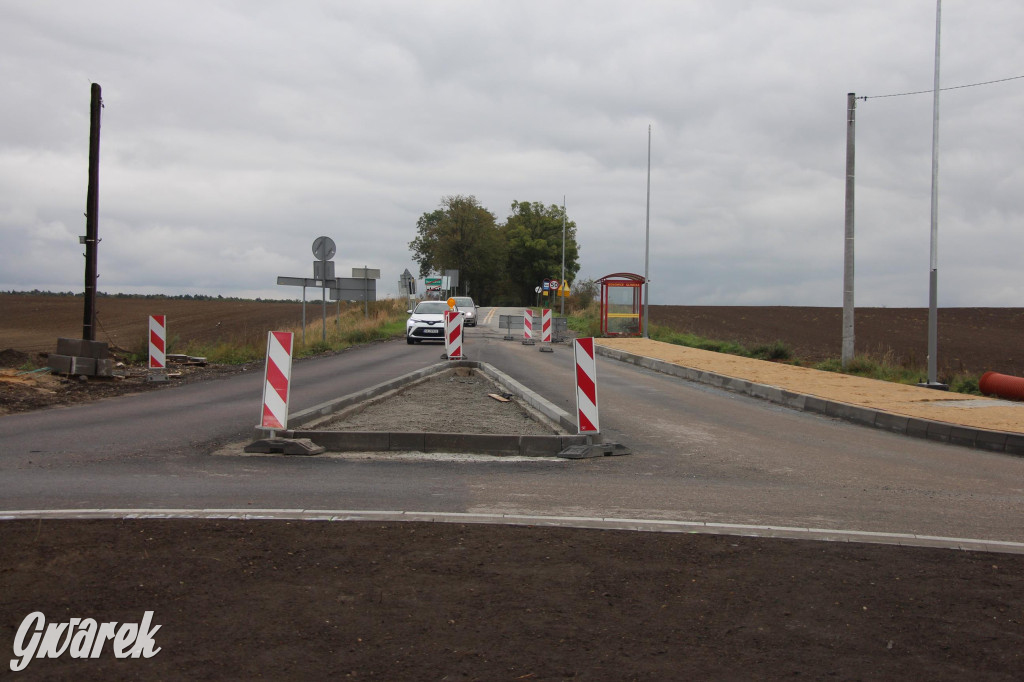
(465, 301)
(430, 308)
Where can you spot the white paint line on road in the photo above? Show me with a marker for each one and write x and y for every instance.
(603, 523)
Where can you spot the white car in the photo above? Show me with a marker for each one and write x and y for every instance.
(426, 322)
(465, 305)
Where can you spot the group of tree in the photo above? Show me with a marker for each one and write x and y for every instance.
(498, 263)
(157, 297)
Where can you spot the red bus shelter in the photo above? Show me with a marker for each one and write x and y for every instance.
(622, 304)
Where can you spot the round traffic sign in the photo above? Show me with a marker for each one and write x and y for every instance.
(323, 248)
(554, 284)
(538, 290)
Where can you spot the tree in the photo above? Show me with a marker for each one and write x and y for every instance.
(461, 235)
(533, 235)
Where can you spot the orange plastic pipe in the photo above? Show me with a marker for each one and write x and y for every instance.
(1002, 385)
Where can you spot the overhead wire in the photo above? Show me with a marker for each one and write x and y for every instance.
(953, 87)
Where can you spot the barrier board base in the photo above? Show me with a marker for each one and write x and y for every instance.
(284, 446)
(595, 450)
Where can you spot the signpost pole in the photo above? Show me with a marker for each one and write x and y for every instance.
(561, 275)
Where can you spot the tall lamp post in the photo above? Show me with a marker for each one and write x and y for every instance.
(848, 243)
(647, 248)
(933, 275)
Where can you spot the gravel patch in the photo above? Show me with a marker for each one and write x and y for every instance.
(451, 402)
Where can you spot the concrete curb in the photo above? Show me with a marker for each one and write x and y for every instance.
(378, 441)
(581, 522)
(943, 432)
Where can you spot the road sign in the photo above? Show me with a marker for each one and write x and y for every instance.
(157, 341)
(586, 386)
(453, 323)
(323, 248)
(323, 269)
(553, 284)
(365, 273)
(353, 289)
(407, 283)
(306, 282)
(277, 380)
(547, 284)
(545, 325)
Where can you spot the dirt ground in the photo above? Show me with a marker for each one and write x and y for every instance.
(357, 600)
(24, 390)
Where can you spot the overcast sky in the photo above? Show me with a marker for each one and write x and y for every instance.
(235, 133)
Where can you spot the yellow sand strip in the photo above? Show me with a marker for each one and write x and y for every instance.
(913, 401)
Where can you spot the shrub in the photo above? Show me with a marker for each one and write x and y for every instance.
(777, 350)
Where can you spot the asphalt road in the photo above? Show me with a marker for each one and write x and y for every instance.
(699, 454)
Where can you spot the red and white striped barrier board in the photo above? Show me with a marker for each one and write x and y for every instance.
(277, 380)
(586, 386)
(527, 325)
(545, 325)
(157, 341)
(453, 323)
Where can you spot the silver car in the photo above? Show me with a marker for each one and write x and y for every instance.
(465, 305)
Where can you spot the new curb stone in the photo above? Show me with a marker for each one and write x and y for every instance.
(304, 423)
(981, 439)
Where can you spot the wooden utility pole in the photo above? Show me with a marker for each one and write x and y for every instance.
(92, 207)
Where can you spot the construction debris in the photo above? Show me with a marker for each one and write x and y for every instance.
(180, 359)
(79, 357)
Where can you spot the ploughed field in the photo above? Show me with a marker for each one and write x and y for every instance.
(32, 324)
(973, 340)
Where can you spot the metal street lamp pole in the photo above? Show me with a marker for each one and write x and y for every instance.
(933, 281)
(848, 252)
(647, 249)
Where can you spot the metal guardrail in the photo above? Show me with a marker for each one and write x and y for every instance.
(559, 326)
